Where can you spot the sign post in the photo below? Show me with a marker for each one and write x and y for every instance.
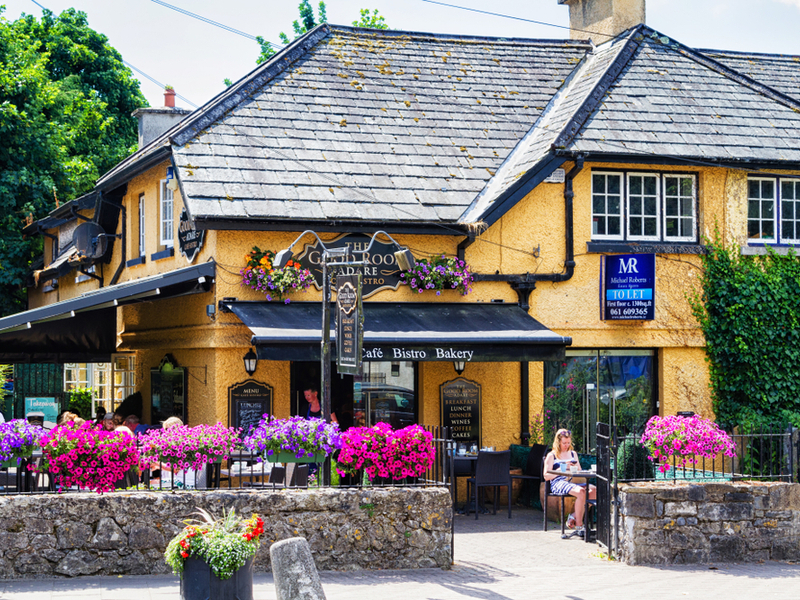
(349, 324)
(627, 285)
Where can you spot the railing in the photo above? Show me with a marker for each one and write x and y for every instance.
(242, 470)
(763, 453)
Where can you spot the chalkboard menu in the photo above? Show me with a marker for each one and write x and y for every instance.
(248, 402)
(461, 409)
(167, 391)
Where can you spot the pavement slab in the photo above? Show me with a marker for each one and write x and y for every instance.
(496, 558)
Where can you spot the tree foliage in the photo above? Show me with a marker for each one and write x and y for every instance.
(749, 311)
(308, 21)
(65, 105)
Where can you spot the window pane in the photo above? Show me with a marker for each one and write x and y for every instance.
(650, 227)
(768, 229)
(636, 185)
(614, 226)
(767, 189)
(787, 190)
(687, 186)
(671, 186)
(599, 183)
(598, 204)
(614, 184)
(606, 206)
(650, 185)
(613, 205)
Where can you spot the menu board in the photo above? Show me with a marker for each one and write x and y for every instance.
(461, 409)
(249, 401)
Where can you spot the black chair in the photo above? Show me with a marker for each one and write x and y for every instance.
(461, 467)
(492, 470)
(533, 467)
(547, 493)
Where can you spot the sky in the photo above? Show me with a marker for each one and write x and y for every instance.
(195, 57)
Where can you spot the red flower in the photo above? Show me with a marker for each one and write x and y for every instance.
(185, 554)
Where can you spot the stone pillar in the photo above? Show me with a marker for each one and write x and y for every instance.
(294, 571)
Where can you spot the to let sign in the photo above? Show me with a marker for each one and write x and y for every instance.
(628, 287)
(348, 324)
(461, 409)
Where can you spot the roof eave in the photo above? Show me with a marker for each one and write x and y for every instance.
(265, 224)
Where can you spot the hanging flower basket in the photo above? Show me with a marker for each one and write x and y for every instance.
(293, 440)
(259, 275)
(438, 274)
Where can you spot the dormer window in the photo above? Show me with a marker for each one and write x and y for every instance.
(166, 215)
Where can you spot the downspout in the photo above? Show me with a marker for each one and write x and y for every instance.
(124, 249)
(525, 284)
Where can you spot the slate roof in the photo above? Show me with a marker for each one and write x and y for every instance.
(350, 125)
(646, 95)
(373, 126)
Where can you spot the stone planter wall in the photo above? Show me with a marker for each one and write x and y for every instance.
(664, 523)
(127, 532)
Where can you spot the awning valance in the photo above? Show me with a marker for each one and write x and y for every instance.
(406, 331)
(83, 329)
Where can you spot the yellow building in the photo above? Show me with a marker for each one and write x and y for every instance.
(577, 181)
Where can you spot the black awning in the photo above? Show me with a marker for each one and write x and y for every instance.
(83, 329)
(406, 331)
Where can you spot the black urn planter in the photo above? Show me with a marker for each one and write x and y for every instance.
(198, 582)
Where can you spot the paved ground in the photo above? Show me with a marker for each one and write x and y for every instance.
(496, 559)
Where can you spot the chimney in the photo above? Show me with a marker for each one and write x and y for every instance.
(155, 121)
(601, 20)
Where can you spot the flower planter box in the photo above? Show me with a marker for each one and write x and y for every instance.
(288, 457)
(198, 582)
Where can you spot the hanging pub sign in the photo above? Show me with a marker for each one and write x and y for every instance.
(381, 274)
(349, 320)
(461, 410)
(190, 240)
(248, 402)
(627, 285)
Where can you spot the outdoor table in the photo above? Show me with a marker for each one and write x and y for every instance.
(585, 475)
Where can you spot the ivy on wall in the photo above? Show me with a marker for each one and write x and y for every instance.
(749, 308)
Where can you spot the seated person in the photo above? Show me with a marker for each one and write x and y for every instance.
(132, 423)
(564, 453)
(108, 422)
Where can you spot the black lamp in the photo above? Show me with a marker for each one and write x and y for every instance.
(459, 366)
(250, 362)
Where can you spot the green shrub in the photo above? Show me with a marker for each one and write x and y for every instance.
(80, 402)
(633, 461)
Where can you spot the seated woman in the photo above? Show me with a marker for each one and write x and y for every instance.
(564, 453)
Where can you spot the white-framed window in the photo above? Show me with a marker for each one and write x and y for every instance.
(761, 199)
(790, 210)
(166, 216)
(112, 382)
(640, 206)
(141, 225)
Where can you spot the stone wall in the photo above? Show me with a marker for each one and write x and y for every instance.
(127, 532)
(664, 523)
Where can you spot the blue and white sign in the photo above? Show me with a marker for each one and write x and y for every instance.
(628, 287)
(47, 406)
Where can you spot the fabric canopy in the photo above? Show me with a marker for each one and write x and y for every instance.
(406, 331)
(83, 329)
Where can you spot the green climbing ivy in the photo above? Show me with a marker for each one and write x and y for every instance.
(749, 309)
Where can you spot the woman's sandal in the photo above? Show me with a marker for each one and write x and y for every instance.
(571, 522)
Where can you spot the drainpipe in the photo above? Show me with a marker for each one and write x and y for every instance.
(124, 250)
(525, 284)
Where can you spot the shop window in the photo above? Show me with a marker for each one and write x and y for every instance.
(112, 382)
(166, 215)
(767, 198)
(610, 386)
(638, 207)
(385, 392)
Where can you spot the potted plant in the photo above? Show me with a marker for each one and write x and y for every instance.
(682, 440)
(189, 448)
(18, 438)
(88, 457)
(214, 557)
(437, 274)
(259, 275)
(294, 440)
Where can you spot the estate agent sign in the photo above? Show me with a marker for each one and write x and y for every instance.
(628, 287)
(382, 273)
(248, 402)
(461, 410)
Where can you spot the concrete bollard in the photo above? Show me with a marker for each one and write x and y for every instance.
(294, 571)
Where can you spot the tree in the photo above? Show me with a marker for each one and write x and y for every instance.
(65, 105)
(307, 22)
